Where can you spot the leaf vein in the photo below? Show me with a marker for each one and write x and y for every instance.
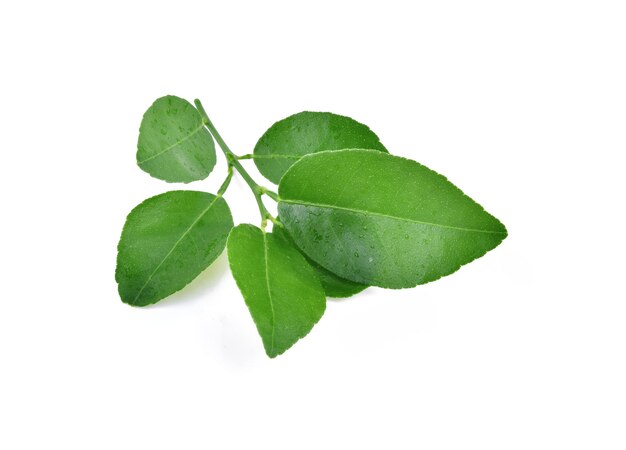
(359, 211)
(269, 291)
(175, 144)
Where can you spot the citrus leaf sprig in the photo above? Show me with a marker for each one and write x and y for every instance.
(351, 215)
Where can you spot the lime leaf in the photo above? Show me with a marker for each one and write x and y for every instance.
(382, 220)
(280, 288)
(174, 145)
(167, 241)
(290, 139)
(334, 286)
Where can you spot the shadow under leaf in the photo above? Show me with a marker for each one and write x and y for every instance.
(202, 285)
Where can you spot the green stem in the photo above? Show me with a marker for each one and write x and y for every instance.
(257, 190)
(226, 182)
(271, 194)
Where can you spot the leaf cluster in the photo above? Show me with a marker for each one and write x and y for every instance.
(351, 215)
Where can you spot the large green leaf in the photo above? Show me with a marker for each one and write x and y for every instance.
(282, 292)
(288, 140)
(382, 220)
(173, 143)
(334, 286)
(167, 241)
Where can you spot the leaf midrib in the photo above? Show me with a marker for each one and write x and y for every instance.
(175, 144)
(185, 233)
(371, 213)
(269, 292)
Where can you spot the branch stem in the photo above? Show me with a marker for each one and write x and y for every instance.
(226, 182)
(233, 161)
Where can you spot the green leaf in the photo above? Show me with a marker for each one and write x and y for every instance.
(167, 241)
(308, 132)
(382, 220)
(282, 292)
(174, 145)
(334, 286)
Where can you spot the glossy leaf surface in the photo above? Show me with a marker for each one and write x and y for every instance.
(382, 220)
(280, 288)
(334, 286)
(167, 241)
(288, 140)
(173, 144)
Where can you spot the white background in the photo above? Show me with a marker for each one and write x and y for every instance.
(521, 104)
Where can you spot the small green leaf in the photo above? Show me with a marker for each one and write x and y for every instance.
(282, 292)
(334, 286)
(382, 220)
(174, 145)
(290, 139)
(167, 241)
